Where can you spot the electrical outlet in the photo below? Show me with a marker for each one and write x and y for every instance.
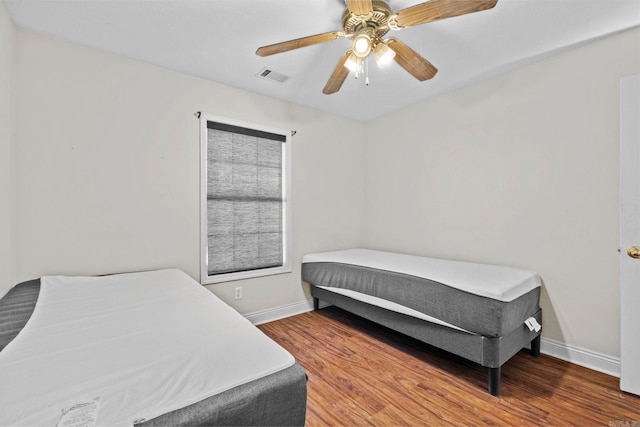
(238, 292)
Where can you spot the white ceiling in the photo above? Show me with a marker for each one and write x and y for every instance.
(217, 40)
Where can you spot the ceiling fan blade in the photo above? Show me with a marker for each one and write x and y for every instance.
(435, 10)
(360, 7)
(408, 59)
(339, 75)
(298, 43)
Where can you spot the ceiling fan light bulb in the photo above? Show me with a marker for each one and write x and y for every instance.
(362, 45)
(384, 54)
(351, 63)
(354, 64)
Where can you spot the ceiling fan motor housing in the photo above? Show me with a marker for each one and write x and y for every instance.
(375, 24)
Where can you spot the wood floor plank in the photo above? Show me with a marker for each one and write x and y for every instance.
(362, 374)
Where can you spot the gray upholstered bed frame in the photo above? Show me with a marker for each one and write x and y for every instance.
(488, 351)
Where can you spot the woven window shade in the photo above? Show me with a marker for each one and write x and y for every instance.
(244, 199)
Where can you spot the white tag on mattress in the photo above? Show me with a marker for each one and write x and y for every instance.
(532, 324)
(83, 414)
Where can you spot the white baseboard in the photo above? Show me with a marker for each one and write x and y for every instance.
(278, 313)
(580, 356)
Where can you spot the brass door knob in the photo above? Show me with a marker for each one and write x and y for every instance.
(633, 252)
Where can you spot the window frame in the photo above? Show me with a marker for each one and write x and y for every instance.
(205, 278)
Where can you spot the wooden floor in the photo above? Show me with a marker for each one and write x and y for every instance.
(364, 374)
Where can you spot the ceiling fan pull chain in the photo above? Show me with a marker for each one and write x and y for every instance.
(366, 70)
(358, 68)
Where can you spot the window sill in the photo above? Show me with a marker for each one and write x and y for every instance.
(229, 277)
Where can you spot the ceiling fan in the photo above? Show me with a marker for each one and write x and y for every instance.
(366, 22)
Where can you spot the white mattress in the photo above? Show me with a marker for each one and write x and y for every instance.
(143, 343)
(491, 281)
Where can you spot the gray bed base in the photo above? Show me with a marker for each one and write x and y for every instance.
(275, 400)
(490, 352)
(278, 399)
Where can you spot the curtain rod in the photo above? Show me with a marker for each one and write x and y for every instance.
(199, 113)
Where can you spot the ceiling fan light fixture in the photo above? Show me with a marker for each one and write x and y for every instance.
(354, 64)
(384, 54)
(362, 44)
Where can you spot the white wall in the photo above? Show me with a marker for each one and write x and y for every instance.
(6, 151)
(521, 169)
(107, 168)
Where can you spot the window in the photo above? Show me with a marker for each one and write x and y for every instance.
(245, 205)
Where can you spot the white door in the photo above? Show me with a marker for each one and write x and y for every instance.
(630, 233)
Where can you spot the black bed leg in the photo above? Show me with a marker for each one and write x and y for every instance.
(316, 304)
(535, 346)
(494, 381)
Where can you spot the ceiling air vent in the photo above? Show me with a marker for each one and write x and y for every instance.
(272, 76)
